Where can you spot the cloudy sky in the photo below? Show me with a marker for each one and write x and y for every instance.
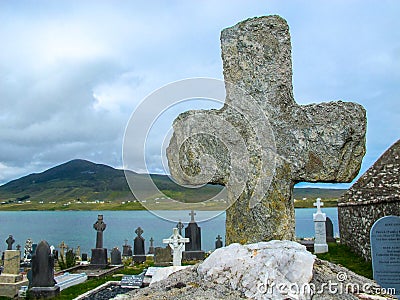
(72, 72)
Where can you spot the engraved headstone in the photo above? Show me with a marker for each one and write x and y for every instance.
(43, 283)
(176, 242)
(132, 281)
(99, 254)
(193, 233)
(116, 258)
(84, 256)
(322, 142)
(329, 231)
(320, 245)
(218, 242)
(385, 252)
(162, 257)
(139, 254)
(127, 249)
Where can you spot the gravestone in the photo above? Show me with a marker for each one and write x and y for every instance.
(10, 241)
(84, 256)
(271, 142)
(43, 283)
(62, 247)
(162, 257)
(127, 249)
(139, 254)
(132, 281)
(176, 242)
(385, 252)
(151, 248)
(116, 258)
(18, 247)
(320, 245)
(329, 231)
(218, 242)
(78, 253)
(180, 226)
(99, 254)
(10, 278)
(28, 249)
(193, 233)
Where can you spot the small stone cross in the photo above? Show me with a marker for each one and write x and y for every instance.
(139, 231)
(192, 214)
(151, 242)
(100, 226)
(219, 238)
(262, 142)
(18, 247)
(176, 242)
(10, 241)
(318, 204)
(180, 226)
(126, 242)
(62, 247)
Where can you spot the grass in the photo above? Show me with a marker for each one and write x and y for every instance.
(74, 291)
(342, 255)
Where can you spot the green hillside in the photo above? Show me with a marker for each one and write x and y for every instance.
(83, 185)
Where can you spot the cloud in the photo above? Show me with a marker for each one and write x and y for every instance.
(71, 73)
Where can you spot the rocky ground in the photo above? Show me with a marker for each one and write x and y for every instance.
(239, 271)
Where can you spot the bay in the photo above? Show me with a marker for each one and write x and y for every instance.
(76, 227)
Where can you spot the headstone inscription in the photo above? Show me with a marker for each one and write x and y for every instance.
(139, 254)
(176, 242)
(322, 142)
(193, 233)
(43, 283)
(320, 245)
(218, 242)
(116, 258)
(385, 252)
(99, 254)
(132, 281)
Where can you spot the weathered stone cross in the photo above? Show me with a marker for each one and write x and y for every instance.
(301, 143)
(100, 226)
(151, 242)
(10, 241)
(180, 227)
(176, 242)
(318, 204)
(62, 247)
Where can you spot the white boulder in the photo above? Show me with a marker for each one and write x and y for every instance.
(265, 270)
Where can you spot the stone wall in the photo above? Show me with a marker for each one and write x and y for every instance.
(376, 194)
(356, 222)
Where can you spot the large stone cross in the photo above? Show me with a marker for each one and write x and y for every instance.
(176, 242)
(139, 232)
(99, 226)
(318, 205)
(282, 143)
(192, 214)
(62, 247)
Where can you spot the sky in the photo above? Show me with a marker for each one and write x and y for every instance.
(73, 72)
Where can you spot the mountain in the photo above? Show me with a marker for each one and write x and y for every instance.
(81, 184)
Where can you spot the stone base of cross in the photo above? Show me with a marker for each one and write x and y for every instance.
(177, 243)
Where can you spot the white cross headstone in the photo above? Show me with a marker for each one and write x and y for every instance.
(320, 245)
(176, 242)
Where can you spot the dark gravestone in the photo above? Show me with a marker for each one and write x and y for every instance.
(43, 283)
(218, 242)
(18, 247)
(329, 231)
(10, 241)
(55, 253)
(84, 257)
(116, 258)
(126, 249)
(99, 254)
(139, 254)
(151, 248)
(385, 252)
(193, 248)
(180, 226)
(162, 257)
